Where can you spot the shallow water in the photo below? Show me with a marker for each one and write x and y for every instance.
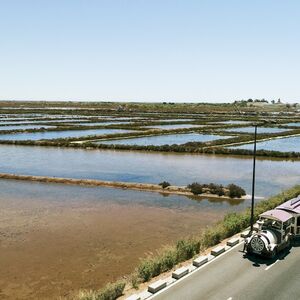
(104, 123)
(173, 126)
(20, 127)
(233, 122)
(168, 139)
(178, 169)
(39, 116)
(172, 120)
(33, 136)
(59, 238)
(40, 121)
(284, 145)
(292, 124)
(259, 129)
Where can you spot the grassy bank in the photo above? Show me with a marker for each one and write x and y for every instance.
(54, 107)
(166, 258)
(166, 148)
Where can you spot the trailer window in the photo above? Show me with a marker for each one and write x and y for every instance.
(287, 223)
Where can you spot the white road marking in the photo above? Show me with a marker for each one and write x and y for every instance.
(230, 298)
(270, 266)
(195, 271)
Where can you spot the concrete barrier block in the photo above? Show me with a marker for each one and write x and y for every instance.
(157, 286)
(134, 297)
(180, 272)
(199, 261)
(232, 242)
(218, 250)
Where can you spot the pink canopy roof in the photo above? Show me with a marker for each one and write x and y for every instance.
(280, 215)
(292, 205)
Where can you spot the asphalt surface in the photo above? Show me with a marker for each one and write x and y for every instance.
(235, 275)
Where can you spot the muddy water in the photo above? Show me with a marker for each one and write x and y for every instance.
(179, 169)
(55, 239)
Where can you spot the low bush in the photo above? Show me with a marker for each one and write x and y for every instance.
(216, 189)
(145, 269)
(135, 280)
(167, 259)
(110, 292)
(235, 191)
(164, 184)
(186, 249)
(196, 188)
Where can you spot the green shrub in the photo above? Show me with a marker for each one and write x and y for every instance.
(235, 191)
(216, 189)
(211, 237)
(168, 259)
(234, 222)
(145, 269)
(135, 280)
(186, 249)
(196, 188)
(153, 266)
(110, 292)
(164, 184)
(86, 295)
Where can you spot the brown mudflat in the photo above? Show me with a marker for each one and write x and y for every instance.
(52, 247)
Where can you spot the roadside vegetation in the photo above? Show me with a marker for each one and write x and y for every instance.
(169, 256)
(110, 292)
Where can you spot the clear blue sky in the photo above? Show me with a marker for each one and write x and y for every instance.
(155, 50)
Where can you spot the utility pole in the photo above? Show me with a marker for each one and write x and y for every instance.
(253, 182)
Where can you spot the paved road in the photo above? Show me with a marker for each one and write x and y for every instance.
(236, 276)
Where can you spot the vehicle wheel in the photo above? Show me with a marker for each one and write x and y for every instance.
(273, 253)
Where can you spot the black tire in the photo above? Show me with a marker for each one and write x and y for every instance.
(274, 253)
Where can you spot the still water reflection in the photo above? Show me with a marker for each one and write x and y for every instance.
(178, 169)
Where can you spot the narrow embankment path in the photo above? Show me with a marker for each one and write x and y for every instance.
(178, 190)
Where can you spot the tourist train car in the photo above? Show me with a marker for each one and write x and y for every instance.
(275, 229)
